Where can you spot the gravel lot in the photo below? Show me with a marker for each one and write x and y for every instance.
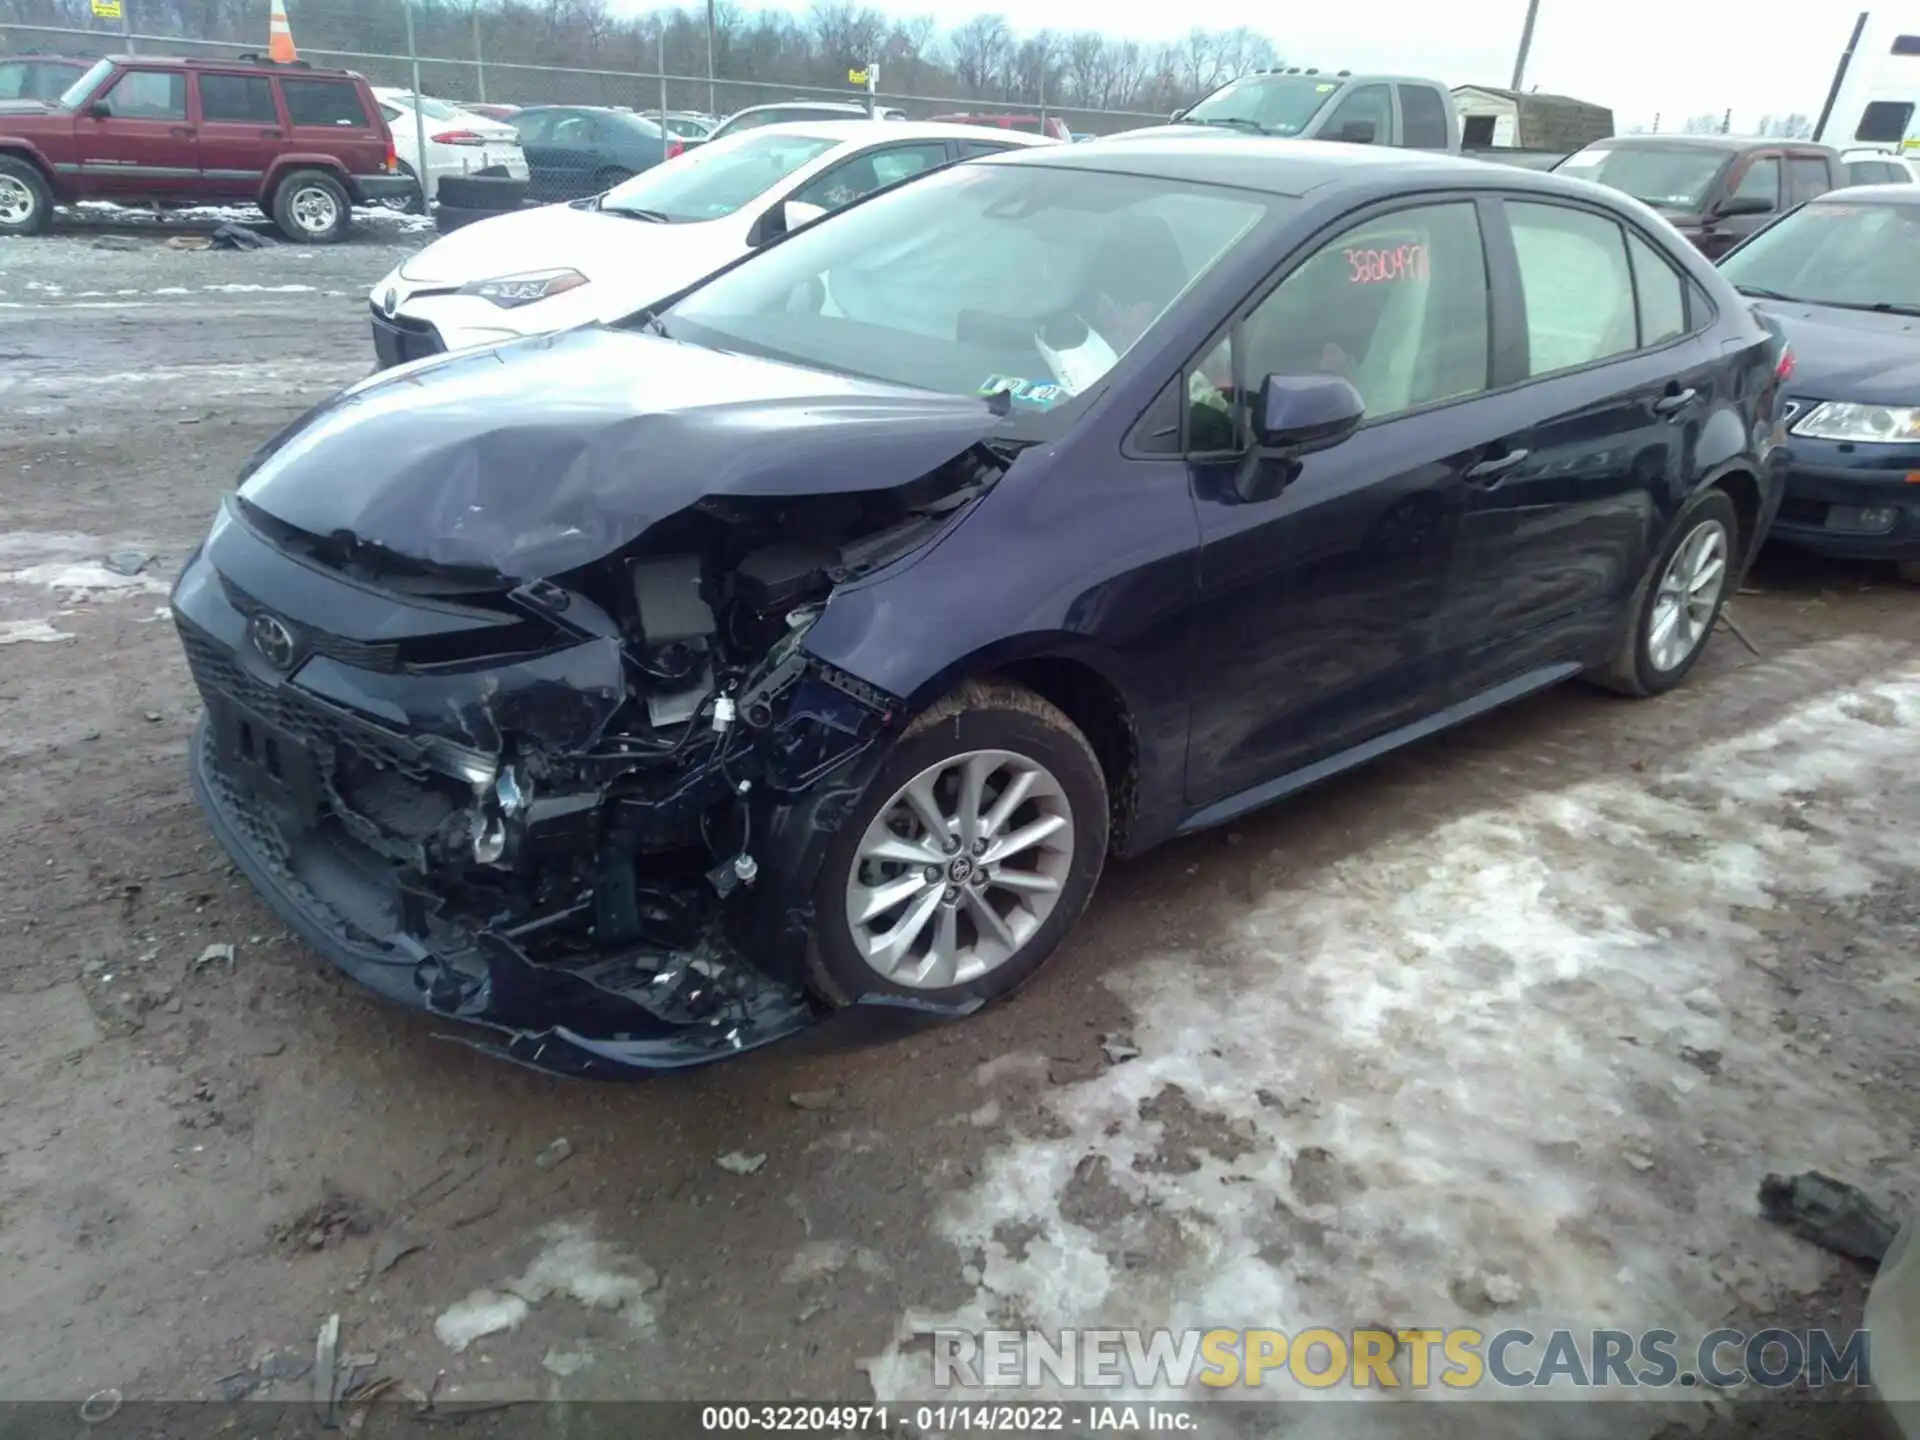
(1504, 1030)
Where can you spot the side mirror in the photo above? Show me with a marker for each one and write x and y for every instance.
(1300, 414)
(100, 110)
(1744, 205)
(1357, 132)
(798, 212)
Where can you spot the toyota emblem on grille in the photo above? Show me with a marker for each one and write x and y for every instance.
(273, 640)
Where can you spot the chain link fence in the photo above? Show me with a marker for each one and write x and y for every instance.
(495, 69)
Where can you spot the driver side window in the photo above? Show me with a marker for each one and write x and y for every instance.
(863, 174)
(1397, 306)
(1370, 105)
(1761, 182)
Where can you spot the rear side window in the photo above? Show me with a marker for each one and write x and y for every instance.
(246, 98)
(1658, 288)
(1884, 122)
(1761, 182)
(1807, 177)
(149, 95)
(1578, 287)
(324, 102)
(1425, 117)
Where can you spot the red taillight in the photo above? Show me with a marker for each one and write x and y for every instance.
(393, 157)
(458, 137)
(1783, 372)
(675, 147)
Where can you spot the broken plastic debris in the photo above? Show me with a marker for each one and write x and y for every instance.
(1119, 1049)
(128, 562)
(553, 1154)
(1832, 1214)
(739, 1163)
(214, 955)
(394, 1247)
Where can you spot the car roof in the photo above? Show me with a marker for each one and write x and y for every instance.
(1710, 142)
(298, 70)
(1894, 194)
(1283, 167)
(814, 104)
(851, 131)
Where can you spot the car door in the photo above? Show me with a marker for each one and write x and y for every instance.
(240, 130)
(1322, 607)
(571, 156)
(144, 144)
(1603, 383)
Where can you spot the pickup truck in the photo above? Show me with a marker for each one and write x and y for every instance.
(1305, 104)
(304, 144)
(1715, 189)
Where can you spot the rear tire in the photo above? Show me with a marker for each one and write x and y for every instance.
(1678, 601)
(312, 206)
(26, 200)
(971, 913)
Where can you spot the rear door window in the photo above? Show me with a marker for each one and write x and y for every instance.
(1660, 291)
(149, 95)
(247, 99)
(1807, 177)
(1761, 182)
(334, 103)
(1424, 116)
(1579, 290)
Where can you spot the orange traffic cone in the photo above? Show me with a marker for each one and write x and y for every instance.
(280, 36)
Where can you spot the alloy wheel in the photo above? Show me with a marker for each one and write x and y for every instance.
(314, 210)
(960, 869)
(1689, 593)
(16, 201)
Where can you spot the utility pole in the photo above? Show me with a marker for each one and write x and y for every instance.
(713, 103)
(1526, 44)
(666, 135)
(419, 115)
(479, 60)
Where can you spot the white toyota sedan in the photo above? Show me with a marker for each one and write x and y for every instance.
(557, 266)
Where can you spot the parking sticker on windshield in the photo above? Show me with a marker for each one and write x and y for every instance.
(1040, 394)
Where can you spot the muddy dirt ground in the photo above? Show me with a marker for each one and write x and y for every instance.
(1503, 1030)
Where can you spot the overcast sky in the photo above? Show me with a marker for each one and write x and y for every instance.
(1678, 57)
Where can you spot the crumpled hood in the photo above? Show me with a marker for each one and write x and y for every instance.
(623, 254)
(1854, 355)
(546, 454)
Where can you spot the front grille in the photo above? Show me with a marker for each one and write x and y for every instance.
(398, 339)
(383, 657)
(307, 721)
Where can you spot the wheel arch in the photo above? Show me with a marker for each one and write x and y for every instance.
(285, 165)
(1741, 485)
(13, 148)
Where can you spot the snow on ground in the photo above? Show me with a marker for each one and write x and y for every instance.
(1466, 1077)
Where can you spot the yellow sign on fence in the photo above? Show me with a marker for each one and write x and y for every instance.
(854, 77)
(107, 9)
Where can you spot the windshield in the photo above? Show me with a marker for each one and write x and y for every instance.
(979, 279)
(1665, 178)
(718, 178)
(1272, 104)
(75, 94)
(1835, 254)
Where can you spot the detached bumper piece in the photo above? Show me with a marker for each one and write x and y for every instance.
(397, 340)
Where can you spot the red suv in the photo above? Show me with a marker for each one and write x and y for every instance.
(1026, 124)
(304, 144)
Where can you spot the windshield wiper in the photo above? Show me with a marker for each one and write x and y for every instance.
(1235, 121)
(1760, 292)
(1877, 307)
(634, 213)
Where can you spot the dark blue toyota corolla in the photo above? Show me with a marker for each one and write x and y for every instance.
(645, 693)
(1839, 276)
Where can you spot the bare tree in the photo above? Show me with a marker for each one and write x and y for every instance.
(980, 49)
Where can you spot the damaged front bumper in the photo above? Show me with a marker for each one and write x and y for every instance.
(400, 821)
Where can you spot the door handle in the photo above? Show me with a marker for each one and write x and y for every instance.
(273, 134)
(1673, 404)
(1495, 469)
(185, 132)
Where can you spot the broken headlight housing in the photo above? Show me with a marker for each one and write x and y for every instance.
(1865, 424)
(510, 292)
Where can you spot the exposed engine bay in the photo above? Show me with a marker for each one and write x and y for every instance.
(577, 810)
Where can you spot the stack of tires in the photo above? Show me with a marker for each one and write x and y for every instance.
(463, 199)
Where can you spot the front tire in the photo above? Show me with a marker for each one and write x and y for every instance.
(972, 853)
(1678, 601)
(26, 201)
(311, 205)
